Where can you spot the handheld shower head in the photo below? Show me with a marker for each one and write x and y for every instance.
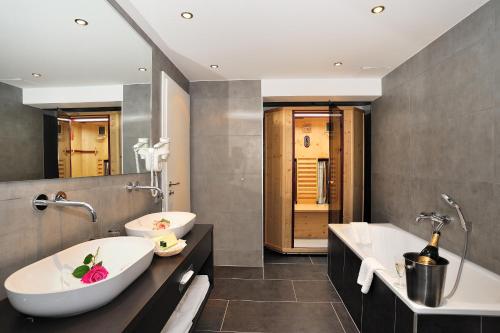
(449, 200)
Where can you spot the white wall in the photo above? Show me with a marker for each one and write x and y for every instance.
(276, 90)
(87, 96)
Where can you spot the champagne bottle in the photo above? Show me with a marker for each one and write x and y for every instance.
(430, 254)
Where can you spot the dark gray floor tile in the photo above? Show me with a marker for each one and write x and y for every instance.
(295, 272)
(230, 272)
(319, 260)
(255, 290)
(280, 317)
(271, 257)
(345, 319)
(212, 316)
(315, 291)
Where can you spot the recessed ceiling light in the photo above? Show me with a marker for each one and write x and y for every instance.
(81, 22)
(214, 66)
(187, 15)
(378, 9)
(36, 75)
(142, 69)
(337, 64)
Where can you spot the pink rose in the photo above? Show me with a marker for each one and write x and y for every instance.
(96, 273)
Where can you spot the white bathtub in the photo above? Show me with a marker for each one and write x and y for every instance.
(479, 289)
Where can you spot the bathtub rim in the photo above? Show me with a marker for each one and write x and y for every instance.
(445, 309)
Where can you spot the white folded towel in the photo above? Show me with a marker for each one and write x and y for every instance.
(181, 319)
(194, 296)
(178, 324)
(188, 328)
(361, 233)
(365, 277)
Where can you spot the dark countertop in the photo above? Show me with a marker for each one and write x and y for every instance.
(121, 312)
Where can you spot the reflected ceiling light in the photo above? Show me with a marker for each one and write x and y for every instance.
(36, 75)
(378, 9)
(214, 66)
(187, 15)
(142, 69)
(337, 64)
(81, 22)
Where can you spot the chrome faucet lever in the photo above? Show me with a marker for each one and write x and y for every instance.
(158, 192)
(424, 216)
(41, 201)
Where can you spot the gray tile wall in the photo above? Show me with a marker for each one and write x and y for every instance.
(136, 120)
(21, 135)
(226, 167)
(436, 129)
(27, 236)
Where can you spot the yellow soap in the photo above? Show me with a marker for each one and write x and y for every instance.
(166, 241)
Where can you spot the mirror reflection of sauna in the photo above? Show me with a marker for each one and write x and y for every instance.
(314, 167)
(88, 144)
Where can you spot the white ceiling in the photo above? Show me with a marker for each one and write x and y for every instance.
(276, 39)
(41, 37)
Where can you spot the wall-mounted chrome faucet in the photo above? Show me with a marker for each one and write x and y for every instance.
(157, 192)
(41, 202)
(441, 220)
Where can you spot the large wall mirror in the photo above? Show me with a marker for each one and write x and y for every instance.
(75, 90)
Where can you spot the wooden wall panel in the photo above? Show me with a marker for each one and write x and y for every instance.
(63, 145)
(278, 179)
(353, 165)
(311, 225)
(115, 143)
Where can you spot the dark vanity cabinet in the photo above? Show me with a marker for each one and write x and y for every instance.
(381, 311)
(145, 306)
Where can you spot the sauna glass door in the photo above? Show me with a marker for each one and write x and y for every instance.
(311, 180)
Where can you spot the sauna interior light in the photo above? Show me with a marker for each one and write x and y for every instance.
(214, 66)
(81, 22)
(337, 64)
(187, 15)
(316, 115)
(378, 9)
(36, 75)
(88, 120)
(142, 69)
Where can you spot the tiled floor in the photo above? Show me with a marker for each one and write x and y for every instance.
(290, 294)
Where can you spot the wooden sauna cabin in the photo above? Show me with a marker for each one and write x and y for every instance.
(313, 175)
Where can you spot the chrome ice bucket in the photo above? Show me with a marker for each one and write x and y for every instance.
(425, 283)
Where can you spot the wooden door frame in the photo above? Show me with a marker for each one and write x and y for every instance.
(334, 110)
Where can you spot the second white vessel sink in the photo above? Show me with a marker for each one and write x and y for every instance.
(47, 287)
(180, 224)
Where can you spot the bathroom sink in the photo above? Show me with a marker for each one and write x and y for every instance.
(180, 224)
(47, 287)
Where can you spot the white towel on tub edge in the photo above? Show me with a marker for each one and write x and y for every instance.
(365, 277)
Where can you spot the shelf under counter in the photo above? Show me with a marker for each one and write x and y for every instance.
(144, 306)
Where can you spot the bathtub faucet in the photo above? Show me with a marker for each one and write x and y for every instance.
(441, 220)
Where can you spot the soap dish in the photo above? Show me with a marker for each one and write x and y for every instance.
(172, 251)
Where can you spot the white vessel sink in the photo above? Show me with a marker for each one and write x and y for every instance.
(47, 287)
(180, 224)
